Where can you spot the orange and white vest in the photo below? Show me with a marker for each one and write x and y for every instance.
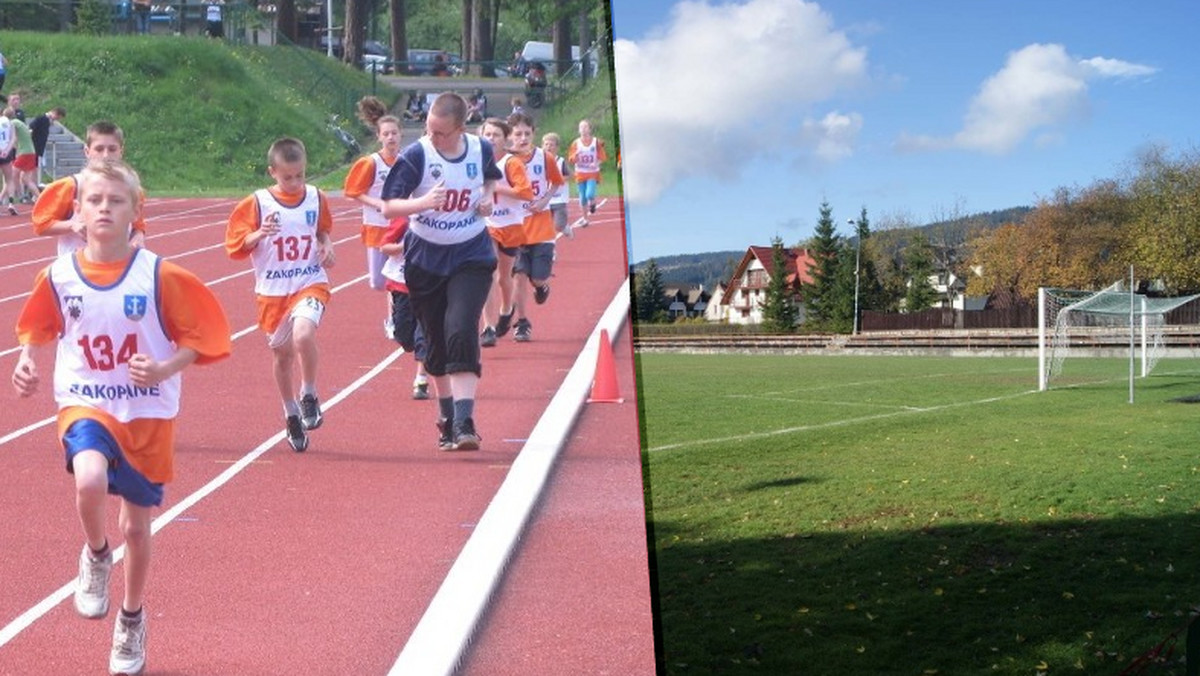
(458, 220)
(507, 210)
(370, 215)
(102, 328)
(287, 262)
(587, 159)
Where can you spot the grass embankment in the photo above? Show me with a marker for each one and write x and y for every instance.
(592, 102)
(199, 114)
(911, 515)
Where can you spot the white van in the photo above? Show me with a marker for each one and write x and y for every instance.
(544, 52)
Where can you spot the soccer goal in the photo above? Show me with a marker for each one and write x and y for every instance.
(1113, 321)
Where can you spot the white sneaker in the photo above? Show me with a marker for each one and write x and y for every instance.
(91, 587)
(128, 655)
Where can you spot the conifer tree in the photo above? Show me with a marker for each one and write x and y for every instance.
(779, 312)
(918, 264)
(648, 294)
(819, 295)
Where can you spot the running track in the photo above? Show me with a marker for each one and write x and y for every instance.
(270, 562)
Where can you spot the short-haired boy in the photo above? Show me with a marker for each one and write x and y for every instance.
(284, 231)
(126, 323)
(54, 212)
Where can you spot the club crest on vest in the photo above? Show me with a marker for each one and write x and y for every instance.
(135, 307)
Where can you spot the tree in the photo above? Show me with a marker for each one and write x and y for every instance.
(820, 293)
(398, 30)
(648, 293)
(93, 18)
(561, 33)
(871, 294)
(918, 259)
(1072, 240)
(855, 277)
(1164, 233)
(779, 312)
(285, 19)
(354, 34)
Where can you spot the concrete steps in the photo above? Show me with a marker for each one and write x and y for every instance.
(64, 154)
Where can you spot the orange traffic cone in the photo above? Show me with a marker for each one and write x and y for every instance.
(604, 383)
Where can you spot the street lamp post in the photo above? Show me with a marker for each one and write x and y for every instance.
(857, 252)
(329, 28)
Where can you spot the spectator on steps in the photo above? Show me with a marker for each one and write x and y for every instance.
(39, 128)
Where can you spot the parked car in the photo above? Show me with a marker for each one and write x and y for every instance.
(376, 57)
(433, 62)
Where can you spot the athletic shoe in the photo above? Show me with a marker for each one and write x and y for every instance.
(592, 208)
(465, 438)
(502, 324)
(310, 412)
(524, 331)
(91, 587)
(568, 231)
(445, 434)
(420, 390)
(488, 337)
(12, 211)
(541, 293)
(297, 438)
(129, 645)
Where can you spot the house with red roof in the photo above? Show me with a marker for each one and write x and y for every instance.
(746, 292)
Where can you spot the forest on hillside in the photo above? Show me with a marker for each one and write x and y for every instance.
(949, 238)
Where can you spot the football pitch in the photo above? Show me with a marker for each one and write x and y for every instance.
(919, 515)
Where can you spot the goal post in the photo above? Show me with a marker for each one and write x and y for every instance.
(1115, 318)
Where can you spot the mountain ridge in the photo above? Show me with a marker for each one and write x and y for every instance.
(713, 267)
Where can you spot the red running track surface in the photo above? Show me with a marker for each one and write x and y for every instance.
(324, 562)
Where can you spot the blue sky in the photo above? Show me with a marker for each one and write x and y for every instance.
(739, 118)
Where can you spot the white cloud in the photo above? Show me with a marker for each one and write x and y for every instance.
(717, 87)
(834, 136)
(1039, 88)
(1116, 68)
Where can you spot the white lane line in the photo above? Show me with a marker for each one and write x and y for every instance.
(238, 334)
(24, 620)
(27, 618)
(437, 643)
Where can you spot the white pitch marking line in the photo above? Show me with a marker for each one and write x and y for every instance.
(834, 423)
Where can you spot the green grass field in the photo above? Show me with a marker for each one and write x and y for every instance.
(918, 515)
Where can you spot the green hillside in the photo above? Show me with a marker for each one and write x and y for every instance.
(198, 114)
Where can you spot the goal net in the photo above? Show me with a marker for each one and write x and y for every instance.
(1111, 322)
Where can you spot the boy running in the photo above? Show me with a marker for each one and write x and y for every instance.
(406, 331)
(54, 212)
(126, 323)
(512, 192)
(284, 231)
(561, 196)
(536, 258)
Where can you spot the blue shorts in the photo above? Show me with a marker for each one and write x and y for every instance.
(123, 479)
